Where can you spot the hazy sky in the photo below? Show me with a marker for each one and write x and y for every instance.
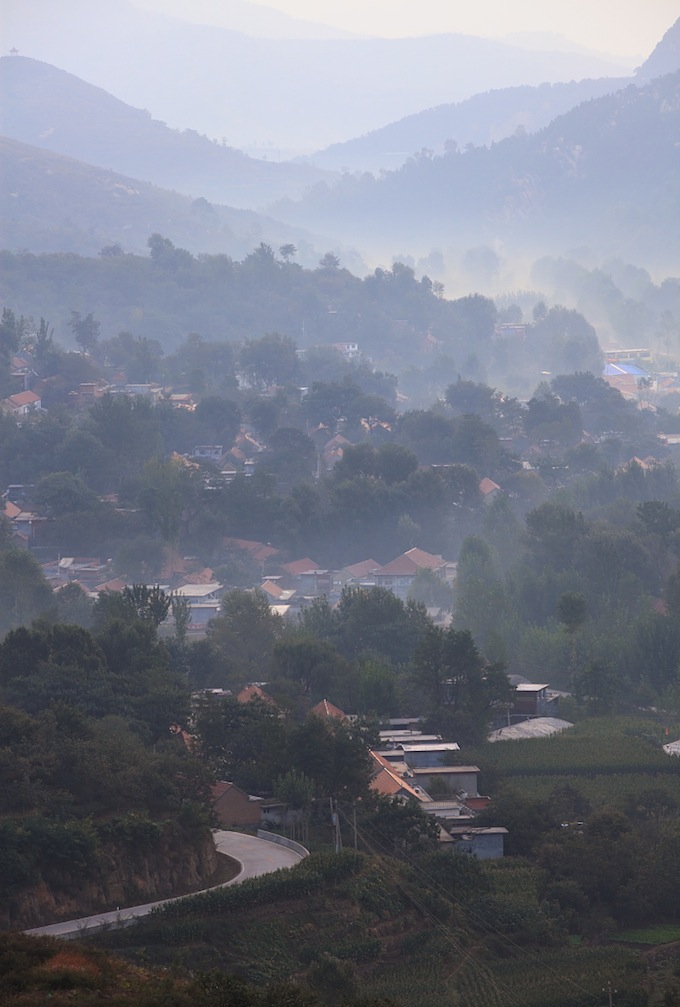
(626, 27)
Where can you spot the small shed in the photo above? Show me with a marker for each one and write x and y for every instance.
(428, 754)
(233, 807)
(456, 779)
(485, 844)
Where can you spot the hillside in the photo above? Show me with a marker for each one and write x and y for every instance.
(287, 93)
(666, 55)
(481, 120)
(603, 175)
(443, 930)
(51, 203)
(49, 108)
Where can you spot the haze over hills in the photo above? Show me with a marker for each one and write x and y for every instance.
(487, 117)
(481, 120)
(47, 107)
(604, 175)
(290, 93)
(51, 203)
(254, 19)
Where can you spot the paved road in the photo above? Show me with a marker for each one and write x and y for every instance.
(256, 856)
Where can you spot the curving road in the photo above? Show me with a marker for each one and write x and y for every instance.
(256, 856)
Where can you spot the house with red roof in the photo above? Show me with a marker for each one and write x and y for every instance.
(398, 576)
(254, 692)
(327, 711)
(21, 404)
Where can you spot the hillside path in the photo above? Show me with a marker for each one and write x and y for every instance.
(256, 856)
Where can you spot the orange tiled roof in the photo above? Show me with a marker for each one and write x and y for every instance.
(251, 692)
(328, 711)
(412, 561)
(487, 486)
(204, 576)
(258, 550)
(363, 568)
(24, 399)
(299, 566)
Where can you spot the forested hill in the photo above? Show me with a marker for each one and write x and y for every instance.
(483, 119)
(603, 175)
(51, 203)
(47, 107)
(170, 293)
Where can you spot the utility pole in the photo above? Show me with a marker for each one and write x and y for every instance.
(609, 991)
(337, 835)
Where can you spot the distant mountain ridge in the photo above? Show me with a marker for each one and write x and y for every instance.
(487, 117)
(301, 94)
(604, 175)
(255, 19)
(51, 203)
(481, 120)
(47, 107)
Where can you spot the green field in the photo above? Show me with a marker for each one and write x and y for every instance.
(606, 759)
(653, 936)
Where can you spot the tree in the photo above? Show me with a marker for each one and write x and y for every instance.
(85, 330)
(431, 591)
(470, 397)
(167, 490)
(24, 592)
(400, 827)
(374, 620)
(73, 606)
(329, 262)
(181, 615)
(130, 429)
(59, 663)
(243, 742)
(64, 493)
(140, 559)
(334, 755)
(148, 604)
(572, 611)
(287, 252)
(553, 531)
(314, 665)
(463, 690)
(271, 360)
(221, 419)
(596, 688)
(244, 634)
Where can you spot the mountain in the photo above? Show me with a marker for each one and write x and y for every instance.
(289, 93)
(481, 120)
(47, 107)
(250, 18)
(604, 175)
(665, 57)
(51, 203)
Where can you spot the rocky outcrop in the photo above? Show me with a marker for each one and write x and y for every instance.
(176, 862)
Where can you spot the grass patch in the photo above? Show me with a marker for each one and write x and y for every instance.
(659, 934)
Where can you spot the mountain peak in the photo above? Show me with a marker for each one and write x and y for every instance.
(665, 57)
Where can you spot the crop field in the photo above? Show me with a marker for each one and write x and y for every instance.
(598, 746)
(654, 935)
(608, 760)
(564, 978)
